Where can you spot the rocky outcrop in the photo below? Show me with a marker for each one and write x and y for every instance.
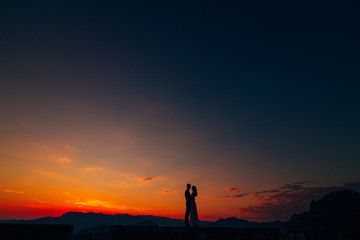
(336, 216)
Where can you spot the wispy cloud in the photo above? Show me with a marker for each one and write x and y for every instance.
(147, 179)
(70, 148)
(144, 180)
(126, 175)
(99, 203)
(64, 159)
(62, 153)
(167, 190)
(282, 201)
(92, 169)
(234, 196)
(81, 202)
(233, 189)
(131, 179)
(12, 191)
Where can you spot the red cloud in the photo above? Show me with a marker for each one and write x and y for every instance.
(167, 190)
(233, 189)
(147, 179)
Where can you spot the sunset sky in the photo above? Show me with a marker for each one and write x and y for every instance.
(113, 107)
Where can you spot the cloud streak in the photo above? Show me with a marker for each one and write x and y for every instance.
(64, 159)
(235, 196)
(233, 189)
(12, 191)
(91, 169)
(147, 179)
(284, 200)
(167, 190)
(99, 203)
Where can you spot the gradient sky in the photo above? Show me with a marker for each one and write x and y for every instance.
(115, 107)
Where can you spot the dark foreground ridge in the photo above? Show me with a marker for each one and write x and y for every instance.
(65, 232)
(10, 231)
(182, 233)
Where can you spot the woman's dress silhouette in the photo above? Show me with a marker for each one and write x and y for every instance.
(194, 220)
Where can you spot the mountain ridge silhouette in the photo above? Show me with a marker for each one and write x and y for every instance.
(334, 216)
(83, 221)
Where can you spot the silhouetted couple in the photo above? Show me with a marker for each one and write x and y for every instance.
(191, 207)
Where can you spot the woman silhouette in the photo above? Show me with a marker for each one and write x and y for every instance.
(194, 220)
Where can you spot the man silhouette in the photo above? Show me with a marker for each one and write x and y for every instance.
(188, 204)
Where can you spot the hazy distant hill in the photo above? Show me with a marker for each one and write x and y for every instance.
(90, 220)
(83, 221)
(335, 216)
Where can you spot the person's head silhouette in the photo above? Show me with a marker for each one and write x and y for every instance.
(194, 191)
(188, 186)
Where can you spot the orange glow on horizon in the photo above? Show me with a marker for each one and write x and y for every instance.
(19, 211)
(50, 179)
